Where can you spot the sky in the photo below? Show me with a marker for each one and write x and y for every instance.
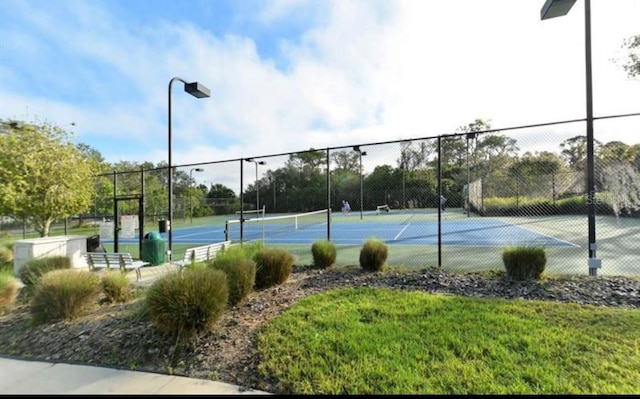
(289, 75)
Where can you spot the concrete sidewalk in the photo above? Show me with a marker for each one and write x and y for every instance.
(34, 377)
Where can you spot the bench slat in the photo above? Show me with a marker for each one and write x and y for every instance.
(202, 253)
(121, 260)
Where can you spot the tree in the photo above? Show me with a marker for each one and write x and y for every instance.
(43, 175)
(634, 155)
(412, 156)
(304, 177)
(614, 151)
(471, 139)
(381, 187)
(535, 175)
(632, 66)
(622, 184)
(574, 151)
(220, 191)
(453, 150)
(494, 153)
(347, 160)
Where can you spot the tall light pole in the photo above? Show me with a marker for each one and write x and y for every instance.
(191, 193)
(361, 153)
(257, 182)
(558, 8)
(198, 91)
(467, 198)
(272, 181)
(404, 202)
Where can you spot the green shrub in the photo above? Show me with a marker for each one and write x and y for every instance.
(373, 255)
(115, 286)
(524, 263)
(243, 251)
(241, 276)
(273, 267)
(187, 302)
(197, 265)
(324, 254)
(8, 291)
(64, 295)
(31, 272)
(6, 258)
(572, 205)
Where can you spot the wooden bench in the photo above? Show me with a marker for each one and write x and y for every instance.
(116, 260)
(201, 253)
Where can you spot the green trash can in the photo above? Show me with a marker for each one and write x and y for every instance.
(153, 250)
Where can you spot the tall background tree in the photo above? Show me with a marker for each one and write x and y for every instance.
(632, 64)
(44, 176)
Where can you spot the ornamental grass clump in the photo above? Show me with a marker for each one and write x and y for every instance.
(524, 263)
(115, 286)
(6, 258)
(183, 304)
(373, 255)
(31, 272)
(248, 250)
(64, 295)
(8, 291)
(273, 267)
(324, 254)
(241, 276)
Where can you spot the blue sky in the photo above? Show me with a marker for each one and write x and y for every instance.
(288, 75)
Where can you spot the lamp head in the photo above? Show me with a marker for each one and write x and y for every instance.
(197, 90)
(555, 8)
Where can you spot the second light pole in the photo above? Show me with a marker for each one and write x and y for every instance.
(558, 8)
(361, 153)
(191, 192)
(198, 91)
(257, 183)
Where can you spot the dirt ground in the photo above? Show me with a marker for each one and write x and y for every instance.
(112, 334)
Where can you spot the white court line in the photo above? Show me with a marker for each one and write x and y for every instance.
(194, 234)
(546, 235)
(401, 231)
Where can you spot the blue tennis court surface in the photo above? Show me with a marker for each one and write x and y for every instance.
(475, 233)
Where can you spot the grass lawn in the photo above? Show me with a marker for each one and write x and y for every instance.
(380, 341)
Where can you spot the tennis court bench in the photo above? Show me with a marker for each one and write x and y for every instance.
(201, 253)
(382, 208)
(115, 260)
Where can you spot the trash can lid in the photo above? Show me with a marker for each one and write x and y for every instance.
(153, 236)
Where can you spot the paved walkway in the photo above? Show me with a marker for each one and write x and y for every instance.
(19, 376)
(34, 377)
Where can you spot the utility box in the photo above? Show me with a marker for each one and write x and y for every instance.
(153, 249)
(72, 246)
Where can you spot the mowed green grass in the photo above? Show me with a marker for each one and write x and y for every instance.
(380, 341)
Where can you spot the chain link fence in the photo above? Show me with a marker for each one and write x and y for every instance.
(454, 200)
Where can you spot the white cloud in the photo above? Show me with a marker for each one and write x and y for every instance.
(363, 72)
(278, 10)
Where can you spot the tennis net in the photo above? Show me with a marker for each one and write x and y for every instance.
(259, 228)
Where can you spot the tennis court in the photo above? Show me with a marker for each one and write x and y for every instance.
(399, 228)
(467, 243)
